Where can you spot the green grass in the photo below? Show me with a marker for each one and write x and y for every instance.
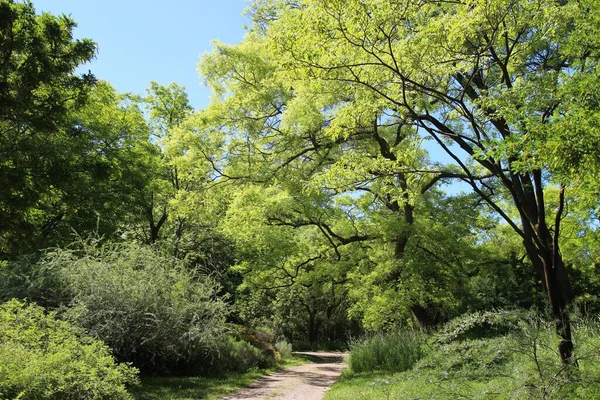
(197, 387)
(392, 351)
(521, 364)
(413, 385)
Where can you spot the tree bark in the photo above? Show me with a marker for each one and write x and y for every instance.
(422, 318)
(543, 250)
(313, 327)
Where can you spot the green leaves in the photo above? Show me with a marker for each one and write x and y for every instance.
(44, 357)
(146, 306)
(39, 91)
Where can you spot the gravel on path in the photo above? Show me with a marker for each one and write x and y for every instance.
(305, 382)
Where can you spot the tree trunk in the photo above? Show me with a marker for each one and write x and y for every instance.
(556, 285)
(542, 248)
(422, 319)
(313, 328)
(155, 227)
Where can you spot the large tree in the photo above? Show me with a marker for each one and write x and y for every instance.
(39, 89)
(366, 199)
(491, 82)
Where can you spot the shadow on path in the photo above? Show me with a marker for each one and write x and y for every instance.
(305, 382)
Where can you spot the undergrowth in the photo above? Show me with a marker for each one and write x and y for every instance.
(503, 355)
(391, 351)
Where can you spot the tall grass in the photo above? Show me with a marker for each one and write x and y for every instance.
(493, 355)
(390, 351)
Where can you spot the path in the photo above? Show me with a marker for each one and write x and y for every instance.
(304, 382)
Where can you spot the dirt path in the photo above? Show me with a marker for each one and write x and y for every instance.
(305, 382)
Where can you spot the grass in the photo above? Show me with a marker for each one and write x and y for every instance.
(197, 387)
(373, 385)
(412, 385)
(520, 364)
(392, 351)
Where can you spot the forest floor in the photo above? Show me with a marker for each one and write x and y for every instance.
(305, 382)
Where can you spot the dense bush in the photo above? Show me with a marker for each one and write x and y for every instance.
(390, 351)
(42, 357)
(146, 307)
(283, 348)
(522, 363)
(239, 355)
(472, 358)
(25, 278)
(247, 348)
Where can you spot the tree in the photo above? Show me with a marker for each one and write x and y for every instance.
(38, 90)
(111, 161)
(174, 203)
(490, 82)
(292, 277)
(277, 137)
(357, 198)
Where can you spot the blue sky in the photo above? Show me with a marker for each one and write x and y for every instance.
(143, 41)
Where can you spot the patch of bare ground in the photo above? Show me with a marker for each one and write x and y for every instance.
(305, 382)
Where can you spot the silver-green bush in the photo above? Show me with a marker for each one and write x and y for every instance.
(147, 307)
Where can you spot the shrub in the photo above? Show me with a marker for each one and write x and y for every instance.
(522, 363)
(392, 351)
(145, 306)
(239, 355)
(42, 357)
(472, 359)
(283, 348)
(25, 278)
(248, 348)
(478, 325)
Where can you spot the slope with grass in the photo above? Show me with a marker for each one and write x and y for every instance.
(496, 355)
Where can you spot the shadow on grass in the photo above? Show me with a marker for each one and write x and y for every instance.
(198, 387)
(315, 357)
(349, 376)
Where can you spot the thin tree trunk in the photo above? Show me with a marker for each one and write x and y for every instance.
(421, 317)
(313, 328)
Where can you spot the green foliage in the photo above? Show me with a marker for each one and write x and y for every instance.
(39, 91)
(469, 359)
(169, 106)
(24, 278)
(283, 348)
(306, 191)
(248, 348)
(109, 163)
(239, 355)
(97, 163)
(340, 94)
(481, 324)
(393, 351)
(145, 306)
(42, 357)
(519, 364)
